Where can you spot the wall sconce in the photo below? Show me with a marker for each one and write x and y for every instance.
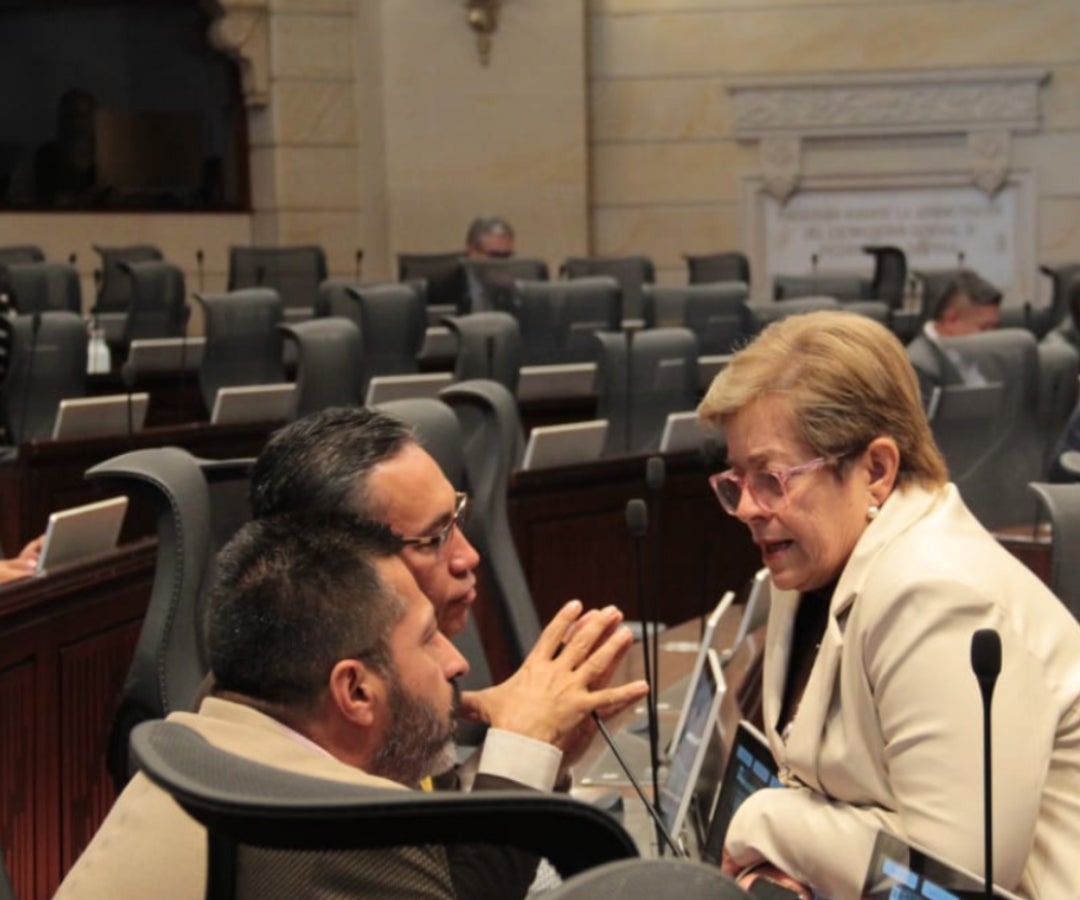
(483, 19)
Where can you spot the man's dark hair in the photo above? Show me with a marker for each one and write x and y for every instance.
(482, 226)
(293, 596)
(965, 282)
(319, 464)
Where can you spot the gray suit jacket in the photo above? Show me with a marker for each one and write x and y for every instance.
(889, 730)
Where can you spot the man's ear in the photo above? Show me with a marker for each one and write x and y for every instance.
(883, 461)
(357, 691)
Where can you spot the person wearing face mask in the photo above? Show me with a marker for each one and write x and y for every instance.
(879, 577)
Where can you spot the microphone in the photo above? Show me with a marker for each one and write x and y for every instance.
(655, 475)
(127, 375)
(712, 459)
(637, 524)
(35, 327)
(986, 664)
(199, 266)
(359, 262)
(260, 275)
(661, 828)
(813, 263)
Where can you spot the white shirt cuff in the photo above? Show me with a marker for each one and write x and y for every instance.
(525, 760)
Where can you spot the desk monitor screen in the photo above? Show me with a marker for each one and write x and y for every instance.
(82, 531)
(92, 416)
(750, 767)
(558, 380)
(755, 612)
(899, 871)
(699, 733)
(564, 445)
(681, 432)
(384, 388)
(699, 667)
(253, 403)
(166, 354)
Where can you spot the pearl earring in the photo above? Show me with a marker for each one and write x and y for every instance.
(872, 512)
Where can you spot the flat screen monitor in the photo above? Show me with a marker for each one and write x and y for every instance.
(166, 354)
(384, 388)
(557, 380)
(253, 403)
(91, 416)
(81, 532)
(565, 445)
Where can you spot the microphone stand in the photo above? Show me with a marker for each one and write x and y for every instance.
(655, 475)
(986, 664)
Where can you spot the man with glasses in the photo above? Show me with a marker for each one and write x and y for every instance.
(489, 237)
(366, 463)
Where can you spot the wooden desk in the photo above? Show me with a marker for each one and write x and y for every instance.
(48, 475)
(175, 397)
(66, 641)
(569, 526)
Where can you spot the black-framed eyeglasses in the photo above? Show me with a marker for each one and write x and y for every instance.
(768, 487)
(437, 541)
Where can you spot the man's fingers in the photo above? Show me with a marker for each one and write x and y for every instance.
(555, 633)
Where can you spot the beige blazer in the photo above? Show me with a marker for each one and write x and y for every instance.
(149, 847)
(889, 730)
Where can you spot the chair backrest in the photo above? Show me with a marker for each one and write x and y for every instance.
(878, 310)
(760, 313)
(159, 300)
(644, 879)
(890, 274)
(1063, 277)
(490, 282)
(710, 267)
(842, 287)
(47, 365)
(1059, 368)
(631, 272)
(712, 311)
(443, 275)
(114, 286)
(636, 395)
(488, 346)
(243, 343)
(1062, 505)
(493, 444)
(294, 272)
(332, 299)
(328, 363)
(169, 660)
(393, 321)
(42, 287)
(21, 253)
(256, 814)
(996, 489)
(559, 318)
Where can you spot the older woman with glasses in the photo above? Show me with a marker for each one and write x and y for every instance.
(880, 576)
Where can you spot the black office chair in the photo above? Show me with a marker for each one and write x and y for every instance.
(158, 301)
(645, 879)
(169, 660)
(559, 319)
(442, 275)
(710, 267)
(329, 371)
(488, 346)
(42, 287)
(393, 322)
(890, 274)
(490, 282)
(243, 343)
(493, 444)
(1062, 504)
(631, 272)
(1062, 276)
(47, 365)
(332, 299)
(21, 253)
(1058, 392)
(712, 311)
(295, 272)
(637, 394)
(263, 823)
(114, 286)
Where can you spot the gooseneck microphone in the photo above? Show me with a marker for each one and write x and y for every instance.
(661, 829)
(199, 265)
(637, 523)
(986, 664)
(359, 262)
(655, 475)
(127, 375)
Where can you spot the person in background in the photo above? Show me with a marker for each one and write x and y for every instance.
(24, 564)
(327, 662)
(966, 305)
(879, 576)
(489, 237)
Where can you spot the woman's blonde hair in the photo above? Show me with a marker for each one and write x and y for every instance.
(848, 380)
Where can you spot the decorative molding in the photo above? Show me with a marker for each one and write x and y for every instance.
(242, 30)
(986, 105)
